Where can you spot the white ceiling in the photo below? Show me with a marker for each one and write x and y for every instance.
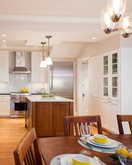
(29, 21)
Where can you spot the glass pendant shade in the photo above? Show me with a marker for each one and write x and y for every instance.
(106, 22)
(43, 64)
(126, 26)
(48, 61)
(116, 9)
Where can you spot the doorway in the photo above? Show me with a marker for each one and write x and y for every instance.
(83, 88)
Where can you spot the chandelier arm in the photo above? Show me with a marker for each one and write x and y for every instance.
(115, 30)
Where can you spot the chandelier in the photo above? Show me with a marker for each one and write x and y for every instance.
(46, 59)
(113, 18)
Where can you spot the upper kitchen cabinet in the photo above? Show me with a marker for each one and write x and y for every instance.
(37, 73)
(110, 75)
(4, 66)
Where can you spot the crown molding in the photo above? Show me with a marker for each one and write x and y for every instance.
(49, 19)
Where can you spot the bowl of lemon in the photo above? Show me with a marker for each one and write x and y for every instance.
(124, 155)
(24, 90)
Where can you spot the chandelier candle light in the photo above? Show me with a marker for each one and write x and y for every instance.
(113, 13)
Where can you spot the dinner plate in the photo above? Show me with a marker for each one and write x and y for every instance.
(111, 144)
(66, 159)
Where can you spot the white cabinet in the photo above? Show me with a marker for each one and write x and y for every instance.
(96, 76)
(4, 66)
(4, 105)
(105, 88)
(37, 73)
(110, 75)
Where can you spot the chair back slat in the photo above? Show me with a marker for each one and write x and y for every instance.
(72, 124)
(124, 118)
(28, 151)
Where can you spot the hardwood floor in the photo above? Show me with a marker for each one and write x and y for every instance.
(11, 131)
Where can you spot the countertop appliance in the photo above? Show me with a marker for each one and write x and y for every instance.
(61, 79)
(18, 104)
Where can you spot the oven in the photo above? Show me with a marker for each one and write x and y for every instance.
(18, 104)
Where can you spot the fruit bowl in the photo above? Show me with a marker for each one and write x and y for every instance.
(124, 155)
(47, 95)
(24, 90)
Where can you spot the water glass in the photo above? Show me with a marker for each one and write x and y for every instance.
(85, 132)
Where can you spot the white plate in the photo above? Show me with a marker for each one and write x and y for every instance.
(111, 144)
(66, 159)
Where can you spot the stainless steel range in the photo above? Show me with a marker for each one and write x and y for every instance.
(18, 104)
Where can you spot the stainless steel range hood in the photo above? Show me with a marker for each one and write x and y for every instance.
(20, 61)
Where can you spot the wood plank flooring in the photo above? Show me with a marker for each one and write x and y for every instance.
(11, 131)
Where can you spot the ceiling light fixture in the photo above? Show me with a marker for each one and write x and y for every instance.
(43, 62)
(3, 35)
(93, 38)
(48, 58)
(113, 13)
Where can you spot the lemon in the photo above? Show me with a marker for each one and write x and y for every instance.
(130, 155)
(123, 152)
(117, 150)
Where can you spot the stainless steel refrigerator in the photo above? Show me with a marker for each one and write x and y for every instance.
(61, 79)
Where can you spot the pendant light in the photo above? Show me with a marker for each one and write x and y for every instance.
(43, 62)
(113, 13)
(48, 58)
(116, 9)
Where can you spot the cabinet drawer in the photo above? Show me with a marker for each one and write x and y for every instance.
(4, 98)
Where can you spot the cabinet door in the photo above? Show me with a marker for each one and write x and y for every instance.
(37, 74)
(110, 75)
(60, 110)
(96, 76)
(4, 105)
(43, 119)
(4, 66)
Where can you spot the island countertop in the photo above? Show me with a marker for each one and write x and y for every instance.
(40, 98)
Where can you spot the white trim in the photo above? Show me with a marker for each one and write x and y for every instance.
(50, 19)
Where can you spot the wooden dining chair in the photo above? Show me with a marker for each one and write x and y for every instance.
(72, 124)
(28, 150)
(124, 118)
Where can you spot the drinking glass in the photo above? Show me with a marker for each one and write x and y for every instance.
(85, 132)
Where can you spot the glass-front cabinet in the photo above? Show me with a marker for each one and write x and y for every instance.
(110, 75)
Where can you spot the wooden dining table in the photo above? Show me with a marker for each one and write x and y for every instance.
(53, 146)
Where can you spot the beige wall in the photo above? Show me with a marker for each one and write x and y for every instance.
(106, 45)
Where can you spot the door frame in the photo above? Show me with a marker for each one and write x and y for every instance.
(79, 91)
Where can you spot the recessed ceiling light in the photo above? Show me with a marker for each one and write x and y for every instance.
(4, 40)
(3, 35)
(93, 38)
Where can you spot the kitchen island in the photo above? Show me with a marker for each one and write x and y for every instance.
(46, 114)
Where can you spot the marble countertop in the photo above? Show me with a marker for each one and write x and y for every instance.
(39, 98)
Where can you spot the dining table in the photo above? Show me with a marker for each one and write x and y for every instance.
(54, 146)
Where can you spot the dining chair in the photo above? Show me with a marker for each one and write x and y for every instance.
(124, 118)
(28, 150)
(72, 124)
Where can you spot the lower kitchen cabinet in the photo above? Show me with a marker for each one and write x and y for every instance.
(47, 117)
(4, 105)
